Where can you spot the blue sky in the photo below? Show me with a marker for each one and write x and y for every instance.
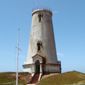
(69, 29)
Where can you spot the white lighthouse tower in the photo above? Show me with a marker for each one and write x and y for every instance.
(42, 56)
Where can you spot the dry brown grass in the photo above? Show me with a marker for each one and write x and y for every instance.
(68, 78)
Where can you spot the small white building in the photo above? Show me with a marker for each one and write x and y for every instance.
(42, 57)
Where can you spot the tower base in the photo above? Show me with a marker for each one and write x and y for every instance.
(42, 68)
(40, 65)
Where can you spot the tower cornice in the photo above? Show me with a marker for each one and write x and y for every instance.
(41, 10)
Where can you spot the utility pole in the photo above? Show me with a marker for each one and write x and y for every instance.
(17, 56)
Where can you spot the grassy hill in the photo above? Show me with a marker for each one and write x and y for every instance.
(9, 78)
(68, 78)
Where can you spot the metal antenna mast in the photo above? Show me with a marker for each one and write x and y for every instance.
(17, 56)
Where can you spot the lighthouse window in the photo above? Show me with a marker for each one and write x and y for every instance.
(39, 45)
(40, 16)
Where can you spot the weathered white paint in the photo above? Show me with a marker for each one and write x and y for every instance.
(42, 31)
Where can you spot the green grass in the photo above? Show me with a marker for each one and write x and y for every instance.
(9, 78)
(68, 78)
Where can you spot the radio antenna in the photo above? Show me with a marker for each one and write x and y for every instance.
(17, 56)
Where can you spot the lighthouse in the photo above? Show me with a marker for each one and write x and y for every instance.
(42, 55)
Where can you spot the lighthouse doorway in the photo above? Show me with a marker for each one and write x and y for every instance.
(37, 66)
